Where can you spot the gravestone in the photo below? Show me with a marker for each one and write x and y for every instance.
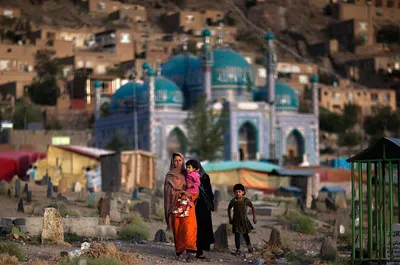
(17, 188)
(81, 196)
(77, 187)
(104, 207)
(44, 181)
(107, 220)
(155, 202)
(221, 238)
(61, 198)
(115, 215)
(159, 193)
(53, 231)
(160, 236)
(92, 199)
(3, 187)
(49, 189)
(29, 196)
(26, 188)
(275, 237)
(217, 198)
(62, 186)
(125, 208)
(143, 208)
(328, 250)
(20, 206)
(9, 193)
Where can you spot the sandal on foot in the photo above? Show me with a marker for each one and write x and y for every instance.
(200, 257)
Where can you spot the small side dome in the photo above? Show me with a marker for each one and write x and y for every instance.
(167, 94)
(206, 33)
(146, 66)
(286, 98)
(314, 79)
(269, 36)
(125, 92)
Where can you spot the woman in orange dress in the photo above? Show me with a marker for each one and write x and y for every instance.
(184, 229)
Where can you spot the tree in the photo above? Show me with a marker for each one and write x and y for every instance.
(330, 121)
(115, 144)
(26, 113)
(382, 122)
(118, 71)
(206, 128)
(351, 115)
(349, 139)
(44, 89)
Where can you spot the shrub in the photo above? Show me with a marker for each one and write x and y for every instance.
(300, 223)
(12, 249)
(69, 213)
(135, 231)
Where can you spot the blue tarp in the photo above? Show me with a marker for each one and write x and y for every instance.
(333, 189)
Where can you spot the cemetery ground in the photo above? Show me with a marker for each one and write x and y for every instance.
(130, 240)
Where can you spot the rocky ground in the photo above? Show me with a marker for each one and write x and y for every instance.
(157, 253)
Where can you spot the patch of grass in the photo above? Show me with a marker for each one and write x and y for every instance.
(229, 229)
(95, 261)
(136, 229)
(300, 223)
(3, 188)
(346, 237)
(12, 249)
(94, 214)
(72, 238)
(70, 213)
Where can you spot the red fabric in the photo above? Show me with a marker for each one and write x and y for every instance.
(78, 104)
(8, 169)
(21, 159)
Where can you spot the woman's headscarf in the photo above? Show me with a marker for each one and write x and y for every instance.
(205, 187)
(174, 183)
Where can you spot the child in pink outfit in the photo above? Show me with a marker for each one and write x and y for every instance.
(183, 204)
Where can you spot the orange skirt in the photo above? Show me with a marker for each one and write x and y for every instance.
(185, 231)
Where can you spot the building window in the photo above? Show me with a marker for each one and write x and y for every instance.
(378, 3)
(189, 19)
(303, 79)
(125, 38)
(325, 93)
(8, 13)
(89, 64)
(101, 69)
(4, 65)
(105, 87)
(397, 65)
(79, 64)
(336, 95)
(101, 6)
(350, 96)
(248, 59)
(390, 3)
(374, 97)
(386, 97)
(262, 72)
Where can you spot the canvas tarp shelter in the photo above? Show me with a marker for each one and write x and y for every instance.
(70, 162)
(138, 169)
(252, 174)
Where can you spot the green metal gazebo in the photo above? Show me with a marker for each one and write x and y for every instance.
(381, 161)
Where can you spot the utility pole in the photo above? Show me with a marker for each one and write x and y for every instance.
(134, 108)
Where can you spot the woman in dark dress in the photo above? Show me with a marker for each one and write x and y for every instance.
(204, 207)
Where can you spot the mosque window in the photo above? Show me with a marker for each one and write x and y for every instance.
(336, 95)
(374, 97)
(303, 79)
(262, 72)
(386, 97)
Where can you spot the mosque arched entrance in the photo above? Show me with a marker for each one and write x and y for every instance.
(176, 142)
(247, 142)
(295, 148)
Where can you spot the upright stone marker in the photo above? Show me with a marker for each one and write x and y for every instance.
(26, 188)
(221, 238)
(20, 206)
(53, 231)
(9, 193)
(29, 196)
(49, 189)
(18, 188)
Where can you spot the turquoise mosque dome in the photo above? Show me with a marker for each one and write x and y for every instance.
(125, 92)
(230, 70)
(167, 93)
(184, 66)
(286, 98)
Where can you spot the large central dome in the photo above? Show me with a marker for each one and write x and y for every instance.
(230, 70)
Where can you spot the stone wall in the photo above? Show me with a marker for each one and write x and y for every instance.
(40, 140)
